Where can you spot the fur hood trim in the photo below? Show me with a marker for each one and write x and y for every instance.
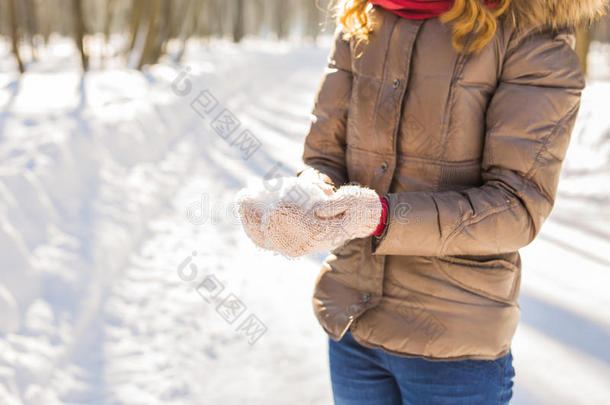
(555, 13)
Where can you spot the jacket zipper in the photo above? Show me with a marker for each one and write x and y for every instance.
(351, 320)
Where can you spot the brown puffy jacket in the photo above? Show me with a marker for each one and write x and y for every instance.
(467, 149)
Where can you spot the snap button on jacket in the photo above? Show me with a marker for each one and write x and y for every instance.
(468, 150)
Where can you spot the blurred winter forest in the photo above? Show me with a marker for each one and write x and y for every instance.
(143, 31)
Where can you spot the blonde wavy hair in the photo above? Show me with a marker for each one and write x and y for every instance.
(466, 17)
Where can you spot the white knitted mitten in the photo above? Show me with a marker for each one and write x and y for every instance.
(251, 216)
(358, 207)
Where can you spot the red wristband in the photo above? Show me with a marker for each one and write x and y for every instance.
(384, 217)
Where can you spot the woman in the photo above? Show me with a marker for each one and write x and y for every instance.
(458, 113)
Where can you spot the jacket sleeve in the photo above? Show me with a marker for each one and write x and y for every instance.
(324, 148)
(528, 124)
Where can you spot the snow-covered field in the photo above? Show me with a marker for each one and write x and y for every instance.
(117, 232)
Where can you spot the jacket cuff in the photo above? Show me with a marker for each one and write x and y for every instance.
(383, 220)
(412, 228)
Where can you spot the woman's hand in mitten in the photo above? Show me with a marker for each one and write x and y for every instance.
(359, 208)
(295, 231)
(251, 215)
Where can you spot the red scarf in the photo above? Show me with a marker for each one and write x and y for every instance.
(420, 9)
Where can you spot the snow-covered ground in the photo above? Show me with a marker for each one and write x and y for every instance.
(120, 253)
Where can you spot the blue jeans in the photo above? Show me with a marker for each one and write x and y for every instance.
(361, 375)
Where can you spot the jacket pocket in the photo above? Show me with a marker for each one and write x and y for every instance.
(496, 278)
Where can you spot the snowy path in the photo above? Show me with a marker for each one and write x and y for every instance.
(134, 332)
(105, 197)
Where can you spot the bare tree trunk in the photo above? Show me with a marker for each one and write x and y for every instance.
(187, 26)
(257, 11)
(583, 42)
(215, 19)
(197, 23)
(151, 34)
(79, 31)
(163, 31)
(31, 24)
(313, 17)
(108, 19)
(12, 10)
(135, 20)
(177, 18)
(238, 21)
(45, 23)
(281, 18)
